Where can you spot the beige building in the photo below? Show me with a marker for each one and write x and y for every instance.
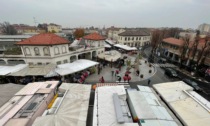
(113, 33)
(134, 38)
(54, 28)
(48, 48)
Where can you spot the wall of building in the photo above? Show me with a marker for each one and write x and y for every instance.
(51, 28)
(134, 40)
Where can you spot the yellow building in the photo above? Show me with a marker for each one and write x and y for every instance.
(54, 28)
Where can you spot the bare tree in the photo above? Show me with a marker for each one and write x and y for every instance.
(8, 29)
(203, 52)
(195, 47)
(184, 49)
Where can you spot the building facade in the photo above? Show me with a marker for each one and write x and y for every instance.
(134, 38)
(48, 48)
(172, 48)
(204, 28)
(113, 33)
(8, 41)
(54, 28)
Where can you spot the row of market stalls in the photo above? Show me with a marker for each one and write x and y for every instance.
(24, 73)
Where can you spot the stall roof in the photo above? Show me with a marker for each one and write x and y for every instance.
(147, 107)
(188, 108)
(107, 45)
(7, 91)
(76, 66)
(73, 109)
(104, 109)
(35, 70)
(110, 55)
(4, 70)
(125, 47)
(110, 41)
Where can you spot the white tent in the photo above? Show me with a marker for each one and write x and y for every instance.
(107, 45)
(110, 41)
(76, 66)
(35, 70)
(110, 55)
(72, 110)
(75, 43)
(4, 70)
(125, 47)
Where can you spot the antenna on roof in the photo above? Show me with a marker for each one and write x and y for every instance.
(35, 22)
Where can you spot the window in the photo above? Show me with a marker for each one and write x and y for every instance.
(59, 62)
(63, 49)
(27, 51)
(128, 38)
(136, 38)
(65, 61)
(39, 63)
(56, 50)
(133, 38)
(46, 51)
(125, 38)
(36, 51)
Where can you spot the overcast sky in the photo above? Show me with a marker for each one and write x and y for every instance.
(99, 13)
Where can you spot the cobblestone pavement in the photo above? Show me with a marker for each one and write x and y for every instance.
(106, 73)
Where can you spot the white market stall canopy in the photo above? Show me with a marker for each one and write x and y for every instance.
(75, 43)
(4, 70)
(110, 41)
(107, 45)
(76, 66)
(110, 55)
(72, 110)
(35, 70)
(125, 47)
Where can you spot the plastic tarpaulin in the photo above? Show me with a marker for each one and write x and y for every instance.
(73, 109)
(4, 70)
(76, 66)
(125, 47)
(35, 70)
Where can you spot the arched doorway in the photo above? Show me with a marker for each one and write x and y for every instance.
(73, 58)
(2, 62)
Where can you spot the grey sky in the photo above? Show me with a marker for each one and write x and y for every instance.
(121, 13)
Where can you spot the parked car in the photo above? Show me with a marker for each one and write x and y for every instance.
(170, 72)
(193, 84)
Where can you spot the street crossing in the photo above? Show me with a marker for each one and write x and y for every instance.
(163, 65)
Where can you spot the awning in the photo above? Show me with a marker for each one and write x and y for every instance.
(76, 66)
(110, 55)
(125, 47)
(5, 70)
(35, 70)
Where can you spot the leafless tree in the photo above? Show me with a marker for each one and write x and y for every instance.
(185, 47)
(8, 29)
(195, 47)
(203, 52)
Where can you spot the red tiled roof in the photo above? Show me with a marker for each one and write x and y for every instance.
(94, 36)
(44, 39)
(174, 41)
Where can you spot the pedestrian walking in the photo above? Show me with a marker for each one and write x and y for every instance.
(149, 82)
(119, 78)
(137, 72)
(116, 72)
(102, 79)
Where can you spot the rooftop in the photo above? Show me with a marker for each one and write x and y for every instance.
(44, 39)
(7, 91)
(94, 36)
(191, 108)
(71, 111)
(174, 41)
(137, 32)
